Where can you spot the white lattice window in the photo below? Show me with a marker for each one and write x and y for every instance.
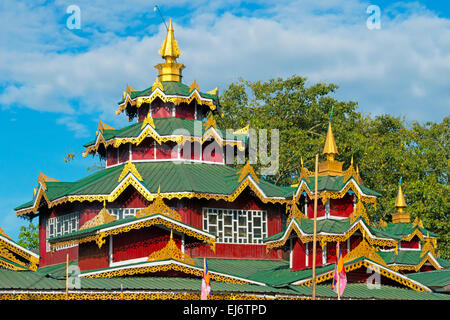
(123, 213)
(235, 226)
(62, 225)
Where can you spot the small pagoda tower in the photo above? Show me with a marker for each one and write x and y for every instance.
(341, 213)
(417, 246)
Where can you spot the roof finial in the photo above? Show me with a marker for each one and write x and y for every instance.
(169, 51)
(400, 202)
(330, 148)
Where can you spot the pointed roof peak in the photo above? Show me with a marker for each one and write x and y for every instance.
(170, 70)
(330, 148)
(400, 202)
(169, 49)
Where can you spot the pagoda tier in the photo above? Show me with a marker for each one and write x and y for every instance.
(162, 139)
(417, 245)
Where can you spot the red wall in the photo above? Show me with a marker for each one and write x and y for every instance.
(184, 110)
(145, 150)
(140, 243)
(298, 255)
(160, 109)
(166, 150)
(341, 207)
(87, 211)
(111, 156)
(320, 209)
(124, 153)
(413, 244)
(143, 111)
(92, 257)
(212, 152)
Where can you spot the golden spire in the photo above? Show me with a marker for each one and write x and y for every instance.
(330, 148)
(330, 166)
(400, 216)
(400, 202)
(169, 51)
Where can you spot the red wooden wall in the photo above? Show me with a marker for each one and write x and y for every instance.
(140, 243)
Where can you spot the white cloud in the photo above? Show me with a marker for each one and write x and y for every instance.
(401, 69)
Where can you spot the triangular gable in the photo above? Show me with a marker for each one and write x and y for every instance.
(323, 238)
(350, 184)
(350, 266)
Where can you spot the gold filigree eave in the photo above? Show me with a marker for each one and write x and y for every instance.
(324, 238)
(381, 270)
(151, 196)
(158, 93)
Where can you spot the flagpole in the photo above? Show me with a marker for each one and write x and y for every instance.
(315, 228)
(67, 275)
(338, 275)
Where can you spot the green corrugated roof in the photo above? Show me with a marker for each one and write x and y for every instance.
(175, 284)
(170, 176)
(27, 280)
(171, 88)
(410, 257)
(56, 271)
(405, 229)
(331, 226)
(335, 183)
(362, 291)
(168, 126)
(440, 278)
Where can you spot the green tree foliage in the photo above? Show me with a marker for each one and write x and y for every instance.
(29, 237)
(384, 147)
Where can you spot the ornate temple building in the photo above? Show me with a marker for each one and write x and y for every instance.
(141, 227)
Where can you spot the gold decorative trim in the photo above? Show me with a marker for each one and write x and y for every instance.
(7, 254)
(101, 218)
(157, 84)
(150, 197)
(102, 126)
(194, 85)
(117, 296)
(129, 168)
(3, 233)
(170, 251)
(33, 261)
(148, 120)
(358, 264)
(211, 122)
(325, 196)
(174, 99)
(323, 239)
(158, 206)
(246, 170)
(364, 250)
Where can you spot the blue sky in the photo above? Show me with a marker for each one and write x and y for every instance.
(57, 83)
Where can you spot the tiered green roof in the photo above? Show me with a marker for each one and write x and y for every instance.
(171, 177)
(166, 127)
(403, 229)
(330, 227)
(335, 184)
(170, 88)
